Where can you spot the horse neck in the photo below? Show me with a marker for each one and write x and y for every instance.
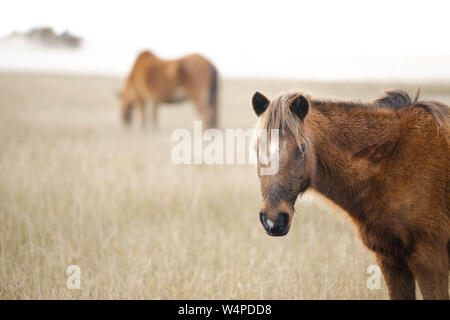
(349, 145)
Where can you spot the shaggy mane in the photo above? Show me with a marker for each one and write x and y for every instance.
(279, 116)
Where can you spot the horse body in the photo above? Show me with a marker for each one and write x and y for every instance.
(386, 164)
(158, 81)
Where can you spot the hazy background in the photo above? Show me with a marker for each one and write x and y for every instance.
(314, 40)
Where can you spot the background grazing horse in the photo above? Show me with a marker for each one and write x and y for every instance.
(169, 81)
(386, 163)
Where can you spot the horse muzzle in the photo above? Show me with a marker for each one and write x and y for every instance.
(277, 228)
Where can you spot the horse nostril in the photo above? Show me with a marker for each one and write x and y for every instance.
(280, 228)
(283, 219)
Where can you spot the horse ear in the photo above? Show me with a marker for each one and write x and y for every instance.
(300, 106)
(260, 103)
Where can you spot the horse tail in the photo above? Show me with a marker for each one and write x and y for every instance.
(213, 92)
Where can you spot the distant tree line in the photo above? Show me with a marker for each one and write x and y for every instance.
(48, 37)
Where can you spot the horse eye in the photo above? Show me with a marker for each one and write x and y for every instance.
(300, 152)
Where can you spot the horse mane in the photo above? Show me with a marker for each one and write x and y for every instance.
(398, 99)
(279, 116)
(395, 100)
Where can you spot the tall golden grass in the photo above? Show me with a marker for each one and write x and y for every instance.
(78, 188)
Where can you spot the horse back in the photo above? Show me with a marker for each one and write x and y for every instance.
(195, 72)
(152, 78)
(169, 80)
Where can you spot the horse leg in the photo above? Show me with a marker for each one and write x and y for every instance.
(141, 105)
(399, 278)
(198, 98)
(208, 118)
(429, 263)
(205, 112)
(155, 114)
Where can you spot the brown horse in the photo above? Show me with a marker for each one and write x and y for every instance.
(169, 81)
(386, 163)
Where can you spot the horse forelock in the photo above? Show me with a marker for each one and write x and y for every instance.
(279, 116)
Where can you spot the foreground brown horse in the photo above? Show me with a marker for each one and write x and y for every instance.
(169, 81)
(386, 163)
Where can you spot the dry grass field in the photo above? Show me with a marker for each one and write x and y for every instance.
(78, 188)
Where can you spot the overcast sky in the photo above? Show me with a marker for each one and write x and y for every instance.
(249, 33)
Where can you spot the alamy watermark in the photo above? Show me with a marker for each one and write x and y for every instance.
(236, 146)
(374, 281)
(73, 273)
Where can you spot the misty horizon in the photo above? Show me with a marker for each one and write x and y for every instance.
(357, 42)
